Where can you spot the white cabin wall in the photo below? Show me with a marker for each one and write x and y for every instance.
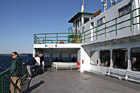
(34, 52)
(85, 57)
(109, 15)
(98, 47)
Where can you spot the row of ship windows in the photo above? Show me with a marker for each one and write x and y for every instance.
(119, 58)
(122, 11)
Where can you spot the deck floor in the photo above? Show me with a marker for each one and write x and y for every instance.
(74, 82)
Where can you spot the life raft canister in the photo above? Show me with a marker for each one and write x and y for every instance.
(78, 64)
(61, 42)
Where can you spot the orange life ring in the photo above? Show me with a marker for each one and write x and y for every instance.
(61, 42)
(78, 64)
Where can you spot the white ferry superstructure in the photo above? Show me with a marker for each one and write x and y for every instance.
(107, 42)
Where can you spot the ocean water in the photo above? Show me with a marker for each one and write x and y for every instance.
(6, 61)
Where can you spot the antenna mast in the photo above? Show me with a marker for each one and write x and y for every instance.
(82, 9)
(105, 4)
(113, 2)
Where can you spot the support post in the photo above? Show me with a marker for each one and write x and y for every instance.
(129, 60)
(2, 88)
(116, 26)
(111, 58)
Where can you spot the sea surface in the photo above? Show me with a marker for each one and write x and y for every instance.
(6, 60)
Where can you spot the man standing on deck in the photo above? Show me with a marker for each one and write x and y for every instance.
(30, 62)
(16, 73)
(42, 62)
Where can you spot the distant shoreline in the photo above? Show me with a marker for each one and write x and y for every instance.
(21, 54)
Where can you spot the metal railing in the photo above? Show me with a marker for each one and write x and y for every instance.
(56, 38)
(5, 79)
(115, 26)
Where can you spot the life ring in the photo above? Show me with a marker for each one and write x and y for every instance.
(61, 42)
(78, 64)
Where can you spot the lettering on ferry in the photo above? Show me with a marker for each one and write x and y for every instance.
(46, 45)
(50, 46)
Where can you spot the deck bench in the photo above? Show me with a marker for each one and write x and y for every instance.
(64, 65)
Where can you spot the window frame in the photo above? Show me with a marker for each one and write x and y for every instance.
(102, 20)
(105, 64)
(125, 9)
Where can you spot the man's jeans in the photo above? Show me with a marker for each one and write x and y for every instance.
(29, 71)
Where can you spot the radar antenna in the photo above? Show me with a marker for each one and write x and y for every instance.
(105, 4)
(114, 2)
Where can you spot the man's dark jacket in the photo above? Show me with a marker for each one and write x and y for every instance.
(30, 61)
(16, 68)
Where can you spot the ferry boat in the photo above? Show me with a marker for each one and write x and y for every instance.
(105, 42)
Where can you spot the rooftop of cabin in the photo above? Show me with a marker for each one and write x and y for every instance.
(85, 14)
(79, 14)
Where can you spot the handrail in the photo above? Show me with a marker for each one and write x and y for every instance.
(5, 71)
(3, 78)
(46, 38)
(87, 34)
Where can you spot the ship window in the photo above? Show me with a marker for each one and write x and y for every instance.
(94, 57)
(74, 24)
(86, 19)
(83, 29)
(120, 58)
(92, 24)
(101, 21)
(55, 57)
(124, 10)
(73, 57)
(47, 57)
(78, 22)
(105, 58)
(135, 59)
(65, 57)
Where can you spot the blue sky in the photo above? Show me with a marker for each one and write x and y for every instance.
(20, 19)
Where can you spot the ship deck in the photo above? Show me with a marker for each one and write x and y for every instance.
(64, 81)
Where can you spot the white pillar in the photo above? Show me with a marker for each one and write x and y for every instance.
(82, 19)
(111, 61)
(99, 62)
(128, 63)
(129, 59)
(34, 52)
(111, 58)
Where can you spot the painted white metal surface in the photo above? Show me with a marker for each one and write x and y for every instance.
(57, 45)
(109, 15)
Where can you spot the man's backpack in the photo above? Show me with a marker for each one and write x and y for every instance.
(33, 61)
